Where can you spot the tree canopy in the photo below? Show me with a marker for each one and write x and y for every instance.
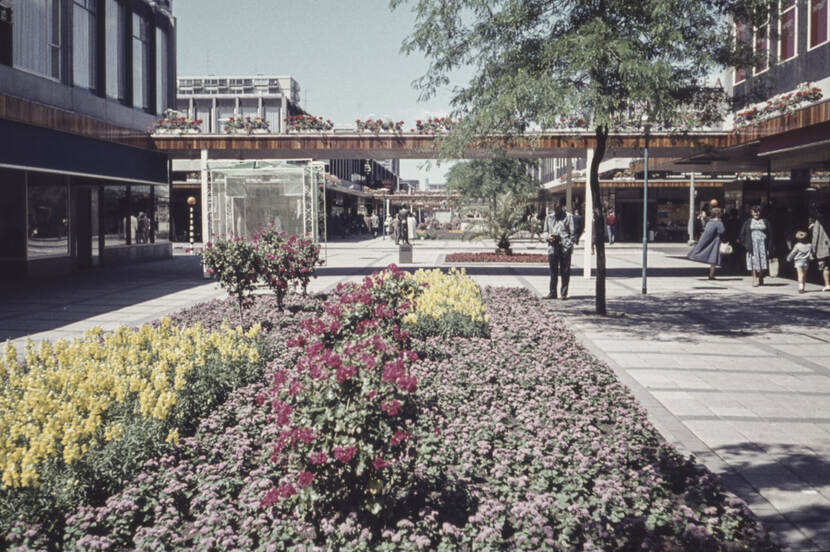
(546, 63)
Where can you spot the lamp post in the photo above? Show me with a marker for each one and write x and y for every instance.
(647, 127)
(191, 202)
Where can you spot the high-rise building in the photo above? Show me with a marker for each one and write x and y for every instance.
(80, 83)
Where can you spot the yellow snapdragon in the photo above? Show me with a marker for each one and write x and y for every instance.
(444, 293)
(55, 403)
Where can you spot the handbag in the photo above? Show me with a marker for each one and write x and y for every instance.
(772, 267)
(726, 248)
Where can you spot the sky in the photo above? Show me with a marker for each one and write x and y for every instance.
(345, 54)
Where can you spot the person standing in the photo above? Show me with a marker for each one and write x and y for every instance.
(707, 248)
(800, 256)
(821, 246)
(387, 226)
(756, 238)
(610, 225)
(559, 232)
(143, 228)
(375, 223)
(579, 225)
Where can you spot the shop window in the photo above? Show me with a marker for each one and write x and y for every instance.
(13, 215)
(48, 216)
(141, 207)
(161, 213)
(115, 219)
(141, 62)
(83, 43)
(787, 31)
(36, 37)
(818, 22)
(115, 49)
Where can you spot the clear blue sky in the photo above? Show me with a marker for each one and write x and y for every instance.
(345, 54)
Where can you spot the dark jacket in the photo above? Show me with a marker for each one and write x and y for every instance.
(745, 237)
(707, 249)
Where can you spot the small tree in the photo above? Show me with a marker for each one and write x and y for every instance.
(538, 63)
(274, 261)
(499, 189)
(233, 263)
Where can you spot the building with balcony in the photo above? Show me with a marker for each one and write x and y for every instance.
(215, 99)
(80, 83)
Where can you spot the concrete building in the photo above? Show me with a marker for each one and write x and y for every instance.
(80, 83)
(215, 99)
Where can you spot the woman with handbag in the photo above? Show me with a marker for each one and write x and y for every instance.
(708, 247)
(756, 238)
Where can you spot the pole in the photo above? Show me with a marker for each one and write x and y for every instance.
(691, 226)
(589, 216)
(645, 212)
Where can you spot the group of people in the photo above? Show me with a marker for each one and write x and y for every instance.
(755, 237)
(398, 226)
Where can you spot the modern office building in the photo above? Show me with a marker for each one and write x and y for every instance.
(215, 99)
(80, 83)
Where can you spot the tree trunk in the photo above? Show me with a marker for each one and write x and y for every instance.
(599, 217)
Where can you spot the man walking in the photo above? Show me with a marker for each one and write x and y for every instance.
(610, 223)
(559, 232)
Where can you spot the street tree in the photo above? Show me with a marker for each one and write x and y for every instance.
(543, 64)
(499, 189)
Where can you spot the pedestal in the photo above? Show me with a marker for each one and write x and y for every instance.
(405, 254)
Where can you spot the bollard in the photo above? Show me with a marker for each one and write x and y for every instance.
(405, 254)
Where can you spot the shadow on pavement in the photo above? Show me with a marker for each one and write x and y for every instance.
(786, 468)
(740, 314)
(38, 305)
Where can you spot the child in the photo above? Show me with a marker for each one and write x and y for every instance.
(800, 255)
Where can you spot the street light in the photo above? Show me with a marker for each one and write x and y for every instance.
(647, 127)
(191, 202)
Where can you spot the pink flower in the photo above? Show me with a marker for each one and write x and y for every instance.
(286, 491)
(305, 478)
(318, 458)
(391, 408)
(399, 437)
(379, 463)
(345, 454)
(306, 435)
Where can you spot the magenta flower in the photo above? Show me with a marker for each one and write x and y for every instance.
(305, 478)
(345, 454)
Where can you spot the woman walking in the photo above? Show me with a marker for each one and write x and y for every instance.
(707, 249)
(756, 238)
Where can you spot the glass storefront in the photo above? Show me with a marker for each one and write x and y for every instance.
(114, 216)
(48, 216)
(161, 213)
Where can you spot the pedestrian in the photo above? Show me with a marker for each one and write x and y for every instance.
(375, 223)
(559, 232)
(387, 225)
(579, 225)
(610, 224)
(707, 248)
(800, 256)
(143, 228)
(756, 238)
(821, 245)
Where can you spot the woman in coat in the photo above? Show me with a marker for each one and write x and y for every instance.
(756, 238)
(821, 244)
(707, 249)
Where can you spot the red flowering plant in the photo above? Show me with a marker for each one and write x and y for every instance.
(376, 126)
(238, 123)
(346, 413)
(435, 125)
(782, 104)
(274, 261)
(173, 120)
(233, 262)
(307, 122)
(308, 257)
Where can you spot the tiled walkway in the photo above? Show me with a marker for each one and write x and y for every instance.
(738, 376)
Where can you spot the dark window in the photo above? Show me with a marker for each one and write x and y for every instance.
(818, 22)
(787, 33)
(48, 211)
(141, 62)
(5, 33)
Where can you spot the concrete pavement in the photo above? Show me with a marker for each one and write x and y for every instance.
(736, 375)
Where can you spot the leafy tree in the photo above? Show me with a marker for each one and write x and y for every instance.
(497, 188)
(541, 62)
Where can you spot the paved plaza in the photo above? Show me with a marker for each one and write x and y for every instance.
(736, 375)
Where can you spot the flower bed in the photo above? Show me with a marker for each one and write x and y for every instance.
(523, 441)
(376, 126)
(237, 123)
(782, 104)
(496, 258)
(297, 123)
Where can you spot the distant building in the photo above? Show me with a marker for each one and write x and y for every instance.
(80, 83)
(214, 99)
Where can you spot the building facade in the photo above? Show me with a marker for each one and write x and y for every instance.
(80, 83)
(215, 99)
